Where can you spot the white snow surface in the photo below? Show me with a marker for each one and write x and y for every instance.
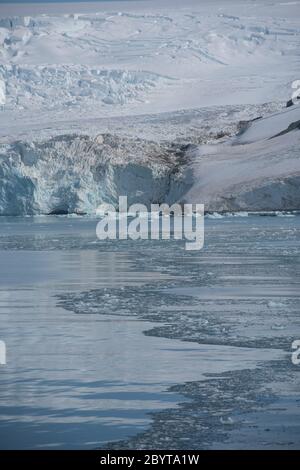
(258, 170)
(104, 101)
(147, 57)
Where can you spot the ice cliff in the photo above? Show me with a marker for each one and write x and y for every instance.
(75, 173)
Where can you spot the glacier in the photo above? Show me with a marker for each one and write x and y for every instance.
(76, 173)
(146, 101)
(256, 170)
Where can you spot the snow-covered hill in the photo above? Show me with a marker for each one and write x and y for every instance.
(257, 171)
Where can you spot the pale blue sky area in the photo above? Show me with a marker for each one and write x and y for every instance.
(51, 1)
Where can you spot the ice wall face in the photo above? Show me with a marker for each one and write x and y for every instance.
(74, 174)
(16, 190)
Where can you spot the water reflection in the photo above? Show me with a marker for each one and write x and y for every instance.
(76, 381)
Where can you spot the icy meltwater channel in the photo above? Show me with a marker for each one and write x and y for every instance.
(81, 372)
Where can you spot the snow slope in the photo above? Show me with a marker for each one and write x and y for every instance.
(257, 170)
(147, 57)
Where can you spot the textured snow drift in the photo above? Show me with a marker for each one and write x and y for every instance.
(75, 173)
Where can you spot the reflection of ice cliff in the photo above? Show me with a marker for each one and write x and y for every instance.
(257, 170)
